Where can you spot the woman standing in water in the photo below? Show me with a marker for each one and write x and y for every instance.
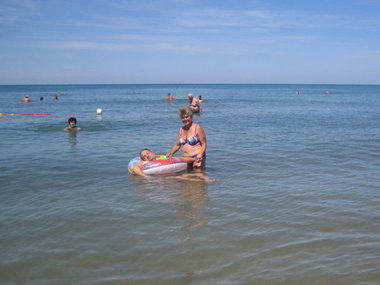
(192, 138)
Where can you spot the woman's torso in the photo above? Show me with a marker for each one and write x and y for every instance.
(190, 141)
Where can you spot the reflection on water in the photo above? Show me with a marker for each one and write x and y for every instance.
(72, 138)
(190, 200)
(190, 197)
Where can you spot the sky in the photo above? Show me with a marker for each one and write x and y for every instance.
(189, 41)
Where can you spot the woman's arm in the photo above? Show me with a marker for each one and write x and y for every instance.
(188, 159)
(175, 147)
(202, 138)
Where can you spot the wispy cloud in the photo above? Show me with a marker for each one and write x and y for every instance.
(267, 19)
(12, 12)
(191, 32)
(241, 32)
(142, 44)
(85, 45)
(152, 26)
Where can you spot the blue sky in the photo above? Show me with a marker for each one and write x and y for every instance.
(189, 41)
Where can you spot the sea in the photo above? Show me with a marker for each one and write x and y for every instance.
(296, 196)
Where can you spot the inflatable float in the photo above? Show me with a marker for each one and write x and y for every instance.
(161, 165)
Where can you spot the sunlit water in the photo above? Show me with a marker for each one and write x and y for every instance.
(296, 198)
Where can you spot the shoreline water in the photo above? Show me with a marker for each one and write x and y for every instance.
(296, 198)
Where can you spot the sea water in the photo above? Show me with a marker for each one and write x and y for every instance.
(296, 198)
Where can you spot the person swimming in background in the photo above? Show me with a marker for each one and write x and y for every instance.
(72, 124)
(147, 155)
(193, 103)
(200, 100)
(26, 99)
(169, 97)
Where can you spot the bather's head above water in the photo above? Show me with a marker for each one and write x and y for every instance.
(147, 155)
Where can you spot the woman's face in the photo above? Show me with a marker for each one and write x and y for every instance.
(186, 119)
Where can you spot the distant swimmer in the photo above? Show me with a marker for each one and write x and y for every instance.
(193, 103)
(169, 97)
(200, 100)
(72, 124)
(26, 99)
(298, 92)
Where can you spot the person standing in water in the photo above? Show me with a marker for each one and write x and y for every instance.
(193, 103)
(192, 139)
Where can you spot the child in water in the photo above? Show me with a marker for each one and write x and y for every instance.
(72, 124)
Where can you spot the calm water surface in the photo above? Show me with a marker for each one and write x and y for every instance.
(296, 201)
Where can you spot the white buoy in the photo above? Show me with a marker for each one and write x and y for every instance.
(99, 111)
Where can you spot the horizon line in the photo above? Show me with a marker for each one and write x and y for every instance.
(31, 84)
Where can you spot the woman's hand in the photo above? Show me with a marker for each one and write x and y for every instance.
(169, 154)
